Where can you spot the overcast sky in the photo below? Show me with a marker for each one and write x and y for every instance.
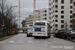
(27, 6)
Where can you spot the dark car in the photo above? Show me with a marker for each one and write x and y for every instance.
(64, 34)
(71, 35)
(58, 33)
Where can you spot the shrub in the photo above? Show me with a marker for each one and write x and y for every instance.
(1, 35)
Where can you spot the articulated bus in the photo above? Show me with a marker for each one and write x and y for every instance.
(41, 29)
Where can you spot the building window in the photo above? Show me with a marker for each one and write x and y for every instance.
(62, 7)
(62, 16)
(38, 13)
(62, 21)
(73, 14)
(45, 14)
(70, 16)
(45, 18)
(56, 6)
(49, 13)
(56, 16)
(70, 11)
(53, 0)
(62, 26)
(49, 17)
(56, 25)
(45, 10)
(71, 7)
(39, 16)
(70, 21)
(56, 0)
(49, 4)
(71, 1)
(71, 26)
(56, 20)
(62, 1)
(56, 29)
(62, 12)
(50, 9)
(56, 11)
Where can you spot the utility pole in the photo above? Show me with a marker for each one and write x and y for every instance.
(19, 14)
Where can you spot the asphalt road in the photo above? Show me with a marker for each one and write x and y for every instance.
(21, 42)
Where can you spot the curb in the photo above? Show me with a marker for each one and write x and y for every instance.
(7, 37)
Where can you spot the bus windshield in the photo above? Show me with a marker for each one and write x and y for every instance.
(39, 23)
(30, 29)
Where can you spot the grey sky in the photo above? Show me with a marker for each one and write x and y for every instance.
(27, 6)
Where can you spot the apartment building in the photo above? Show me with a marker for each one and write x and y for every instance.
(60, 14)
(36, 15)
(29, 20)
(44, 13)
(73, 17)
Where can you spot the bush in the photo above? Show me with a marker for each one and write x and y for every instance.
(16, 32)
(13, 33)
(1, 35)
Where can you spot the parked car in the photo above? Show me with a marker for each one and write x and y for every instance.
(64, 34)
(58, 33)
(71, 36)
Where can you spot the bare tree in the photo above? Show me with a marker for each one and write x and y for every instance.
(7, 15)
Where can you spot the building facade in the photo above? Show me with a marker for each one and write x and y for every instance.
(60, 14)
(44, 13)
(29, 20)
(73, 17)
(32, 18)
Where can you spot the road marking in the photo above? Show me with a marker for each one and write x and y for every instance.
(11, 41)
(29, 41)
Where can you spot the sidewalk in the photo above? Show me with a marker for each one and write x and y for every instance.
(7, 37)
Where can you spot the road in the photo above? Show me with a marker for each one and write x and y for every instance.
(21, 42)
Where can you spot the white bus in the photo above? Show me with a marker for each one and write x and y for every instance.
(29, 30)
(41, 29)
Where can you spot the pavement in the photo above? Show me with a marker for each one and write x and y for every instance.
(22, 42)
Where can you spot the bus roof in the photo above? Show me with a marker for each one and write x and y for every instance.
(42, 21)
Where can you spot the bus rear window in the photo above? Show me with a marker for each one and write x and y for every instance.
(39, 23)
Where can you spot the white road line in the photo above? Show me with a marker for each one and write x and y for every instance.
(29, 41)
(11, 41)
